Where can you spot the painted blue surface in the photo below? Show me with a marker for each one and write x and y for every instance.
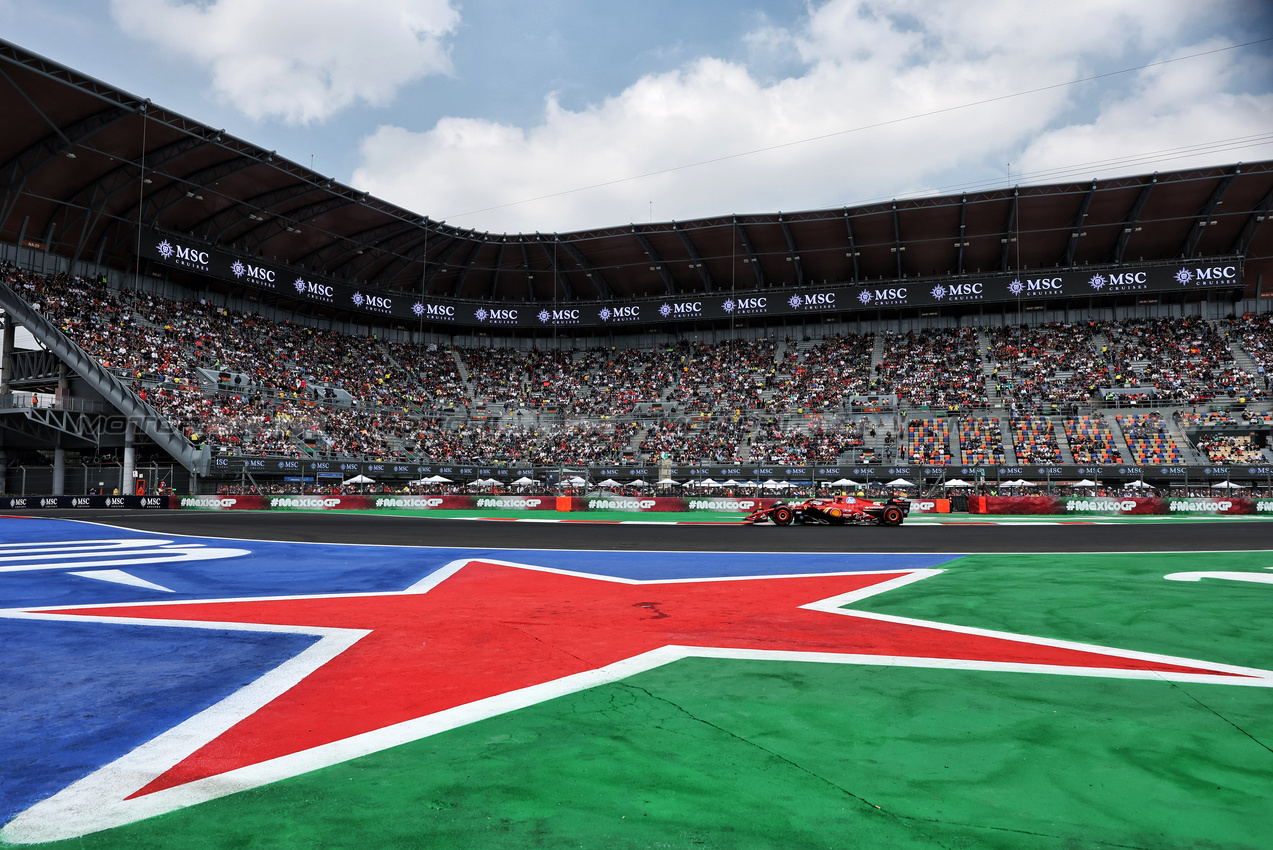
(75, 696)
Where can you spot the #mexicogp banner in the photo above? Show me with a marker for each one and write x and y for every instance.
(466, 503)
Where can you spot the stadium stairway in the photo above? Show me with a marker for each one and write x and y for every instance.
(877, 353)
(1062, 442)
(1243, 358)
(987, 371)
(1187, 449)
(111, 388)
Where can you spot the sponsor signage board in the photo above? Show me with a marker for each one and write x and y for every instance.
(464, 473)
(27, 503)
(1029, 289)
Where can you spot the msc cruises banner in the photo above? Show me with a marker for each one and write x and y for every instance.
(1025, 287)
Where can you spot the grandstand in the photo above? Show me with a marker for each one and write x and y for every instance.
(809, 347)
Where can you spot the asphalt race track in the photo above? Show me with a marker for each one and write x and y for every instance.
(336, 527)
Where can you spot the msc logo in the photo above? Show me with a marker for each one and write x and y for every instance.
(1127, 278)
(815, 301)
(321, 291)
(81, 502)
(434, 311)
(1033, 285)
(755, 304)
(892, 295)
(1172, 470)
(681, 308)
(372, 302)
(958, 291)
(1012, 470)
(114, 502)
(620, 314)
(181, 255)
(498, 316)
(1207, 276)
(259, 274)
(552, 316)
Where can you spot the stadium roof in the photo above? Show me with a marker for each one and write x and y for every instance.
(83, 164)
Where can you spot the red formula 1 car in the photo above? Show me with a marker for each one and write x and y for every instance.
(835, 510)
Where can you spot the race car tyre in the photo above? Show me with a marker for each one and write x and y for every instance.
(783, 516)
(891, 516)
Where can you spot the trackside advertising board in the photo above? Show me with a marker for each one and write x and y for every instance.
(470, 503)
(27, 503)
(1117, 506)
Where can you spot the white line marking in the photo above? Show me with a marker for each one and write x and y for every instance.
(1257, 578)
(121, 577)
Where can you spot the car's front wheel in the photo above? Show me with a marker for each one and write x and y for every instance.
(783, 516)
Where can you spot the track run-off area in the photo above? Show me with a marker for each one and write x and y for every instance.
(340, 679)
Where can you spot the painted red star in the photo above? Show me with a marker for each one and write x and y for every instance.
(487, 629)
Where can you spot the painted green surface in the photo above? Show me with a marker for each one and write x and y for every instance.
(742, 754)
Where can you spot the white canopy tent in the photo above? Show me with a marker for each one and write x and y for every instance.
(1228, 485)
(1083, 482)
(668, 482)
(609, 482)
(957, 482)
(524, 481)
(845, 482)
(638, 483)
(361, 479)
(899, 482)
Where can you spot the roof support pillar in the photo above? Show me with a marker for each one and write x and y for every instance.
(1130, 223)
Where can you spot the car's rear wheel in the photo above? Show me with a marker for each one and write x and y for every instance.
(783, 516)
(891, 516)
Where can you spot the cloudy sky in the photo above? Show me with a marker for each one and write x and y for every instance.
(558, 115)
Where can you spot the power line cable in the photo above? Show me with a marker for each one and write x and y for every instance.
(863, 128)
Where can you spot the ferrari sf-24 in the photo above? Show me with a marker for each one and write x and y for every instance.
(834, 510)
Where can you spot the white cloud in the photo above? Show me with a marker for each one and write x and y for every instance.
(859, 67)
(301, 60)
(1170, 110)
